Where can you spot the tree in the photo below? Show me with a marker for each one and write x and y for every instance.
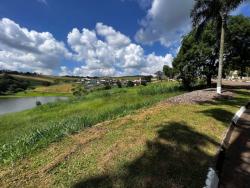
(79, 91)
(147, 78)
(168, 71)
(130, 84)
(197, 59)
(119, 84)
(217, 11)
(238, 45)
(159, 75)
(10, 84)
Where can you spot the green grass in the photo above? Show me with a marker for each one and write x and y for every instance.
(53, 90)
(32, 93)
(24, 132)
(45, 78)
(160, 146)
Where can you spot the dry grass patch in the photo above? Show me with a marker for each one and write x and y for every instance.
(62, 88)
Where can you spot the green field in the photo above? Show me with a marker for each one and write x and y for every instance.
(23, 132)
(165, 145)
(40, 85)
(44, 78)
(53, 90)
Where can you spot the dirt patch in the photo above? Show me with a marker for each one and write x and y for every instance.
(199, 96)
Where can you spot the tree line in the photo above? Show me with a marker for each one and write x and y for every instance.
(19, 73)
(198, 57)
(9, 84)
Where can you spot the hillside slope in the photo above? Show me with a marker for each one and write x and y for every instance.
(167, 145)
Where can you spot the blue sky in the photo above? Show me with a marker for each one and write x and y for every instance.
(93, 37)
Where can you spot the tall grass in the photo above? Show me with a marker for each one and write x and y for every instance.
(160, 88)
(51, 122)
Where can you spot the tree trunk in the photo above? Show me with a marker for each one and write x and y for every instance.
(242, 69)
(222, 39)
(209, 81)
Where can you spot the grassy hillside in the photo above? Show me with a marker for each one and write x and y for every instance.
(41, 79)
(36, 85)
(61, 88)
(162, 146)
(44, 78)
(23, 132)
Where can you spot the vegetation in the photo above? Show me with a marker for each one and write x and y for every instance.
(147, 78)
(79, 91)
(119, 84)
(198, 59)
(159, 75)
(168, 71)
(150, 147)
(24, 132)
(9, 84)
(60, 88)
(130, 84)
(238, 45)
(216, 11)
(19, 84)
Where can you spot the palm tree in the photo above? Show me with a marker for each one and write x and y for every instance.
(216, 11)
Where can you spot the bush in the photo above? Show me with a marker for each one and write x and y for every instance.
(119, 84)
(79, 91)
(46, 83)
(147, 78)
(144, 83)
(130, 84)
(107, 87)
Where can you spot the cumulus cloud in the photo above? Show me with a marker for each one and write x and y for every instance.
(107, 52)
(166, 22)
(24, 50)
(99, 52)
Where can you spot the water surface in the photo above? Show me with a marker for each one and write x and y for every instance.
(8, 105)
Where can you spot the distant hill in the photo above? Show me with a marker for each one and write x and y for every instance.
(38, 79)
(13, 81)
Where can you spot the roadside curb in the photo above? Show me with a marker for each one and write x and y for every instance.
(213, 175)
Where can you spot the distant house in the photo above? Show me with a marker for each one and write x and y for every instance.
(137, 82)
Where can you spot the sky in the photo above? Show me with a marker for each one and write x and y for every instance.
(93, 37)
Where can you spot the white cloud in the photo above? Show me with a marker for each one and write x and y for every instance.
(107, 52)
(65, 71)
(166, 22)
(24, 50)
(99, 52)
(156, 63)
(43, 2)
(112, 37)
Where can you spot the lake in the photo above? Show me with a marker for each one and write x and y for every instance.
(9, 105)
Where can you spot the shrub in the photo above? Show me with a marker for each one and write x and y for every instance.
(144, 82)
(119, 84)
(107, 87)
(46, 83)
(79, 91)
(130, 84)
